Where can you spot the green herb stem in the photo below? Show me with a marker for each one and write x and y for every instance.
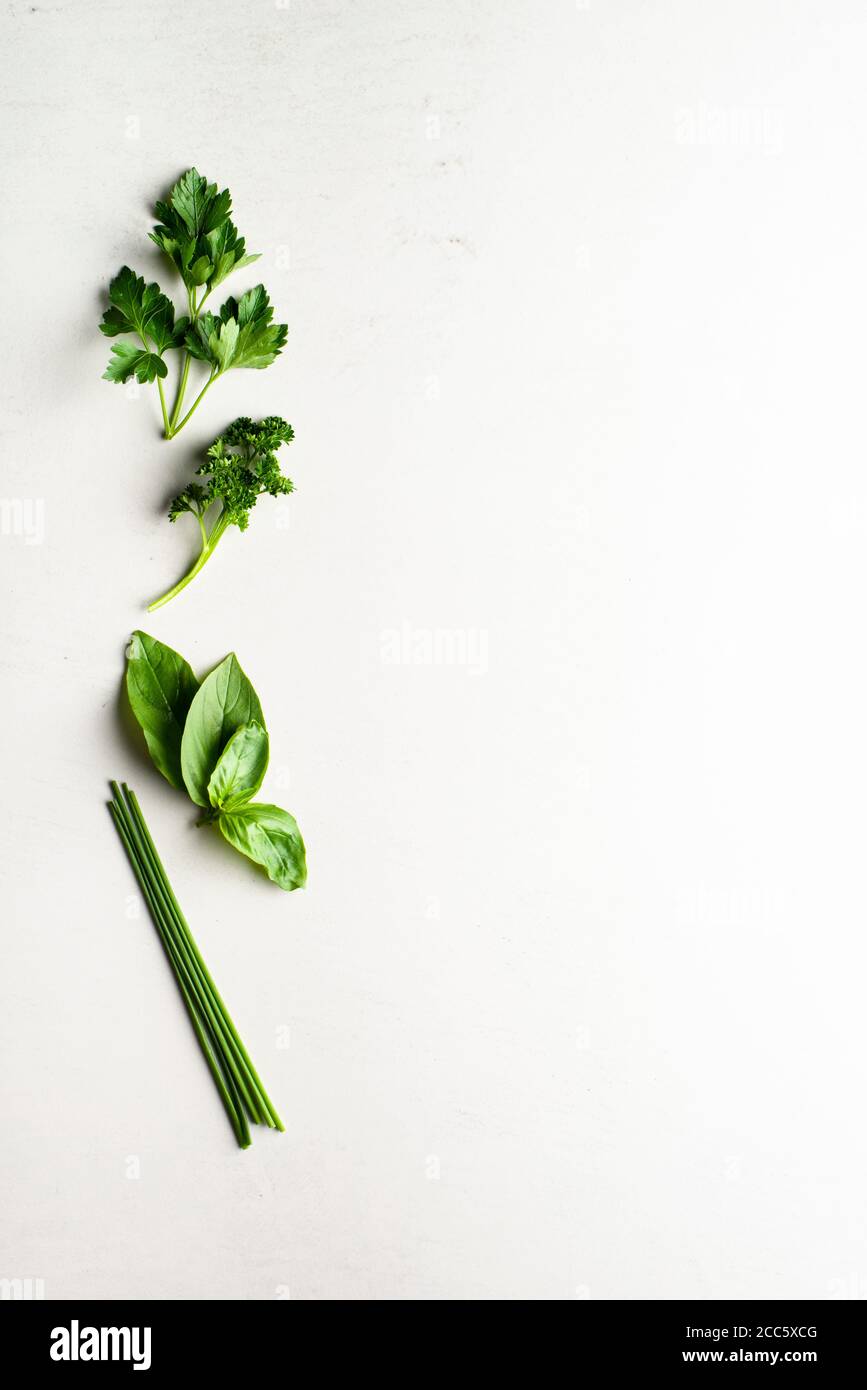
(195, 309)
(275, 1120)
(176, 429)
(236, 1079)
(204, 989)
(210, 540)
(179, 399)
(200, 991)
(225, 1086)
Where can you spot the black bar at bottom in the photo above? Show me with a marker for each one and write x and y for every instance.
(70, 1337)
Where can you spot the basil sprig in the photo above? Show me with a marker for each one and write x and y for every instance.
(211, 738)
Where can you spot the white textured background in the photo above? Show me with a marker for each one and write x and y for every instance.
(575, 997)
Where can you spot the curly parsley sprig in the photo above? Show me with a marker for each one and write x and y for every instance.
(239, 467)
(202, 243)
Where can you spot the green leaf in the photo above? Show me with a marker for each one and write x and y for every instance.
(253, 306)
(177, 245)
(127, 360)
(161, 687)
(227, 252)
(245, 260)
(259, 341)
(225, 701)
(194, 213)
(141, 309)
(198, 204)
(200, 270)
(224, 344)
(180, 333)
(254, 341)
(270, 837)
(241, 768)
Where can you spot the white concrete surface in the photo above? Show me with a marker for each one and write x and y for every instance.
(575, 998)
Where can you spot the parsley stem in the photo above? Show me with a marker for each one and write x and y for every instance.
(182, 583)
(179, 399)
(209, 545)
(199, 397)
(166, 426)
(195, 309)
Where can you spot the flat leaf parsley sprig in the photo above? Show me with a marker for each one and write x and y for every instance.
(197, 235)
(239, 467)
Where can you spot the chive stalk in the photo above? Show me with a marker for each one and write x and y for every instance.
(237, 1081)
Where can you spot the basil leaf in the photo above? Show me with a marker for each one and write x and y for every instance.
(271, 838)
(242, 766)
(161, 687)
(225, 701)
